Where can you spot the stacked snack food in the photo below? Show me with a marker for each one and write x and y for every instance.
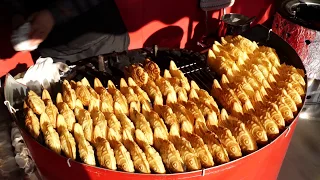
(255, 87)
(156, 124)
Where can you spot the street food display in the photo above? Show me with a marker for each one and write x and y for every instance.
(161, 123)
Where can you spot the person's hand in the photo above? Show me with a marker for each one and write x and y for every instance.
(42, 23)
(43, 74)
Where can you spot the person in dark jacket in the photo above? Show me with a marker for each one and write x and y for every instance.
(70, 30)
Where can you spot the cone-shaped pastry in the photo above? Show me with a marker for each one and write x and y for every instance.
(130, 95)
(153, 157)
(153, 118)
(142, 95)
(141, 123)
(137, 155)
(238, 129)
(85, 149)
(51, 136)
(69, 94)
(68, 144)
(182, 113)
(126, 123)
(188, 154)
(73, 84)
(138, 74)
(85, 82)
(122, 155)
(152, 69)
(66, 112)
(276, 115)
(35, 103)
(32, 123)
(83, 94)
(99, 119)
(94, 105)
(227, 140)
(51, 110)
(170, 155)
(152, 89)
(122, 104)
(182, 96)
(105, 97)
(164, 86)
(104, 151)
(201, 149)
(255, 128)
(79, 104)
(84, 119)
(219, 154)
(175, 72)
(115, 124)
(166, 113)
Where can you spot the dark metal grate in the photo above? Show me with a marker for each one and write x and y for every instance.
(192, 64)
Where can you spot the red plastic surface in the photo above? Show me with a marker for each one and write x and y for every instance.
(261, 165)
(167, 23)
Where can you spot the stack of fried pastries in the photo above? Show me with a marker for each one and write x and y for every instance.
(254, 86)
(152, 123)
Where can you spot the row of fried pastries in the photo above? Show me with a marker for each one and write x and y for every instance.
(254, 85)
(128, 137)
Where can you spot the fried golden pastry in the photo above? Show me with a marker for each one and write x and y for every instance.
(241, 42)
(122, 104)
(153, 118)
(141, 123)
(68, 144)
(93, 93)
(35, 103)
(84, 119)
(238, 129)
(276, 115)
(104, 151)
(227, 140)
(188, 154)
(105, 97)
(129, 93)
(51, 110)
(99, 119)
(138, 74)
(114, 123)
(152, 89)
(51, 136)
(255, 128)
(85, 149)
(126, 123)
(79, 104)
(142, 95)
(32, 123)
(85, 82)
(204, 104)
(69, 94)
(166, 113)
(73, 84)
(182, 96)
(83, 94)
(137, 155)
(170, 155)
(152, 69)
(175, 72)
(123, 159)
(268, 123)
(164, 86)
(153, 157)
(201, 149)
(182, 113)
(66, 112)
(94, 105)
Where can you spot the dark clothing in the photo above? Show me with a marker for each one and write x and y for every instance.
(83, 28)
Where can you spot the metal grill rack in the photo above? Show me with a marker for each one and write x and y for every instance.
(192, 64)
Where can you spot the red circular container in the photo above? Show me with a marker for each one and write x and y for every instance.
(263, 164)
